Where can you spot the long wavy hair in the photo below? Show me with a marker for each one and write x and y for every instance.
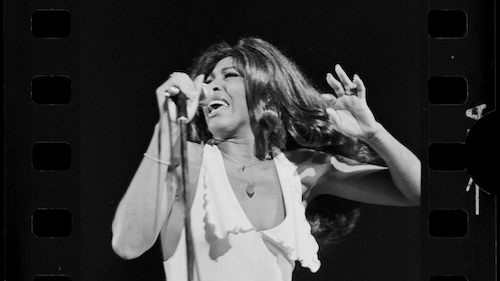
(285, 108)
(282, 103)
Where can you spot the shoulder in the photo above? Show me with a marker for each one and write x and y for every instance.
(306, 157)
(312, 166)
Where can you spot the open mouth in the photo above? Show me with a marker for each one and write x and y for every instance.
(216, 105)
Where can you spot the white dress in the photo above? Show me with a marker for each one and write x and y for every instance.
(227, 246)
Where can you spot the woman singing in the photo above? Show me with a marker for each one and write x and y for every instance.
(248, 191)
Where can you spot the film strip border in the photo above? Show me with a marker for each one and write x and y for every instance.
(42, 141)
(460, 236)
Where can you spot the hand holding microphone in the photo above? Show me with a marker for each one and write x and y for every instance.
(206, 94)
(196, 93)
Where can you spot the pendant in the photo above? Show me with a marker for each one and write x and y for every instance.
(250, 190)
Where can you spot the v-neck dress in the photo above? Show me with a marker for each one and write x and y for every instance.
(226, 244)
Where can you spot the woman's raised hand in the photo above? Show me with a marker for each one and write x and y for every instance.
(190, 87)
(348, 111)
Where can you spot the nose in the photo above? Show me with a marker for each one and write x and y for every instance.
(217, 83)
(214, 86)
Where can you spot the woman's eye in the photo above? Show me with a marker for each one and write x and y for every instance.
(226, 75)
(231, 74)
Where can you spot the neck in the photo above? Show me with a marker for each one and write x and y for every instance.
(241, 149)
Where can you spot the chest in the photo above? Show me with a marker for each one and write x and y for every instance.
(266, 208)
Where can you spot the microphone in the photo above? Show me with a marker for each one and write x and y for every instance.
(206, 94)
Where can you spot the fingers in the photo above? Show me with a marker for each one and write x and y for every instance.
(361, 90)
(198, 82)
(335, 84)
(180, 82)
(183, 82)
(345, 86)
(343, 77)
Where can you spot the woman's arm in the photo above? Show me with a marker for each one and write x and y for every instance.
(322, 173)
(404, 166)
(143, 210)
(349, 112)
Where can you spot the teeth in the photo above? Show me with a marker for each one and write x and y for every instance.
(216, 104)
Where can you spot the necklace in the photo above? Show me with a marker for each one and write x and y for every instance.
(250, 188)
(243, 166)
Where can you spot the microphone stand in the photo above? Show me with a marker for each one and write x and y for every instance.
(182, 121)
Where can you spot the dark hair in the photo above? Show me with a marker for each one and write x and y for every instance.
(332, 218)
(284, 107)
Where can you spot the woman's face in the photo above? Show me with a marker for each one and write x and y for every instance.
(227, 114)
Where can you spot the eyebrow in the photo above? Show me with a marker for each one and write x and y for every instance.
(222, 70)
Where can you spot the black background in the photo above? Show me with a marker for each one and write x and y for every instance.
(117, 55)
